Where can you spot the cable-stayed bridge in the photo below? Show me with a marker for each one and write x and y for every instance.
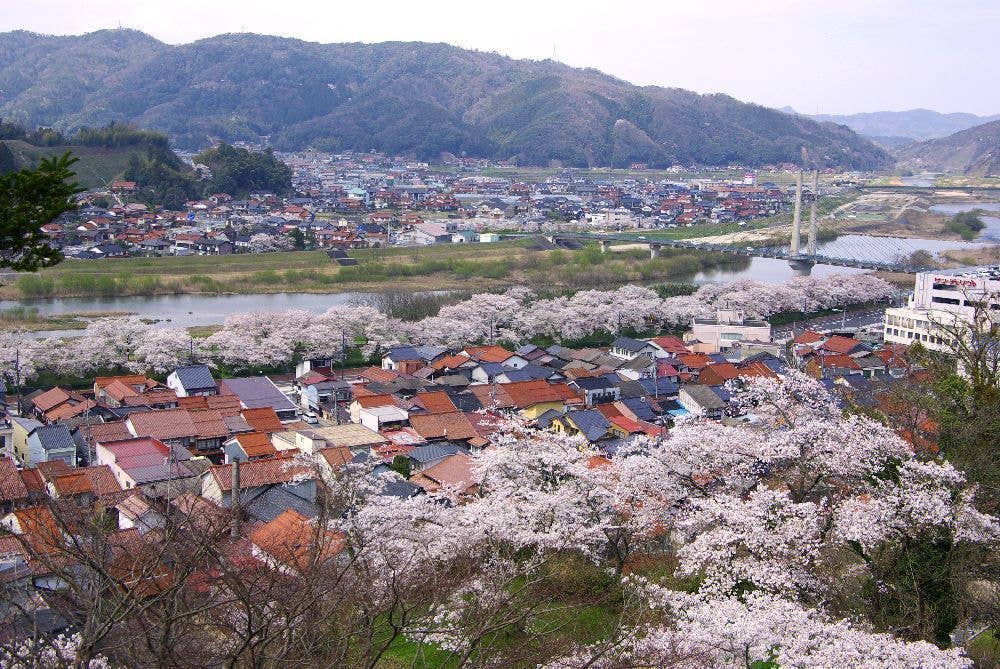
(861, 251)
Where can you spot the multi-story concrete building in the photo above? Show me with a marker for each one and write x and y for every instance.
(939, 299)
(728, 329)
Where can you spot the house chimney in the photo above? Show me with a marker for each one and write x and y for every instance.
(234, 529)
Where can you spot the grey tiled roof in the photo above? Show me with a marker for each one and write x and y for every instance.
(432, 452)
(55, 438)
(274, 501)
(256, 392)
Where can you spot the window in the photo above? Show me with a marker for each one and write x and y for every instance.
(946, 300)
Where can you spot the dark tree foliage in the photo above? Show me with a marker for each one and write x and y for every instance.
(298, 239)
(163, 180)
(38, 137)
(7, 161)
(30, 199)
(238, 171)
(118, 135)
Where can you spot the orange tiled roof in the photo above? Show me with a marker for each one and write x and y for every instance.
(837, 360)
(450, 362)
(256, 473)
(528, 393)
(227, 405)
(839, 344)
(488, 353)
(336, 456)
(117, 390)
(263, 419)
(808, 337)
(209, 423)
(12, 488)
(50, 399)
(455, 471)
(292, 540)
(127, 379)
(69, 410)
(163, 424)
(435, 402)
(256, 444)
(379, 374)
(112, 431)
(52, 468)
(453, 425)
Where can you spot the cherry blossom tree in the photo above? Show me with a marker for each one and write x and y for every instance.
(263, 242)
(764, 542)
(20, 357)
(58, 652)
(760, 630)
(259, 339)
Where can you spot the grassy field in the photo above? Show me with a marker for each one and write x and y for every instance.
(444, 267)
(97, 166)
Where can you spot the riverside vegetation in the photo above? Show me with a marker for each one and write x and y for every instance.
(425, 268)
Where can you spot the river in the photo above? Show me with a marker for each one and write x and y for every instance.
(991, 233)
(192, 310)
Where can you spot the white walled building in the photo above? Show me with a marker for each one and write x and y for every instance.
(729, 328)
(940, 297)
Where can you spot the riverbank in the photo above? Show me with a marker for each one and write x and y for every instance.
(27, 319)
(987, 255)
(430, 268)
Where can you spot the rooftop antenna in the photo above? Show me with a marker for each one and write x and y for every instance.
(553, 51)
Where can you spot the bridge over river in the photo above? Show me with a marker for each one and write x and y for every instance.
(860, 252)
(801, 261)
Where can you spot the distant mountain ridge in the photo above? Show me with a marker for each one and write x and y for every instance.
(914, 124)
(974, 152)
(410, 98)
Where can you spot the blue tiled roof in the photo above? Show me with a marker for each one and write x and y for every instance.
(432, 452)
(529, 373)
(663, 386)
(640, 408)
(594, 383)
(195, 377)
(399, 353)
(590, 422)
(629, 344)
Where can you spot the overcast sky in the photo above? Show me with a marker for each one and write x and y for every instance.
(833, 57)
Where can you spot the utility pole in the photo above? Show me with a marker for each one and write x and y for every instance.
(656, 378)
(234, 528)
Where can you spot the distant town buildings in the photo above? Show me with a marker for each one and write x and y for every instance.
(349, 201)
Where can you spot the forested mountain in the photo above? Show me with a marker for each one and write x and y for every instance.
(914, 124)
(413, 98)
(975, 152)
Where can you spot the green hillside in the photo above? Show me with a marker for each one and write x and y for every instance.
(409, 98)
(97, 166)
(972, 152)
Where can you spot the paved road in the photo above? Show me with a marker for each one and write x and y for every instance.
(853, 320)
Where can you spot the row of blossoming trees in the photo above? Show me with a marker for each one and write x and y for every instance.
(803, 538)
(271, 339)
